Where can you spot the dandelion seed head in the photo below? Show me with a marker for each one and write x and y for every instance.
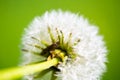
(90, 47)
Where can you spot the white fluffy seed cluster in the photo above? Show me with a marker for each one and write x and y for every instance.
(91, 50)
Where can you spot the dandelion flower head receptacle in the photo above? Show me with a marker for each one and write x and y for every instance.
(83, 51)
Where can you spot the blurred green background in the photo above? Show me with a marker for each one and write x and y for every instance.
(15, 15)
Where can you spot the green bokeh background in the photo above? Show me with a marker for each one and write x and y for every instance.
(15, 15)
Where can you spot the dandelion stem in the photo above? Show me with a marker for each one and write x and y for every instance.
(17, 72)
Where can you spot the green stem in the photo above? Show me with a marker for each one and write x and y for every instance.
(18, 72)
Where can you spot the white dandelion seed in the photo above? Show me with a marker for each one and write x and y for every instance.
(75, 36)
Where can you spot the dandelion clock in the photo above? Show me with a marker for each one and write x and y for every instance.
(72, 40)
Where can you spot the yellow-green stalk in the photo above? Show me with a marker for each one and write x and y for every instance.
(17, 72)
